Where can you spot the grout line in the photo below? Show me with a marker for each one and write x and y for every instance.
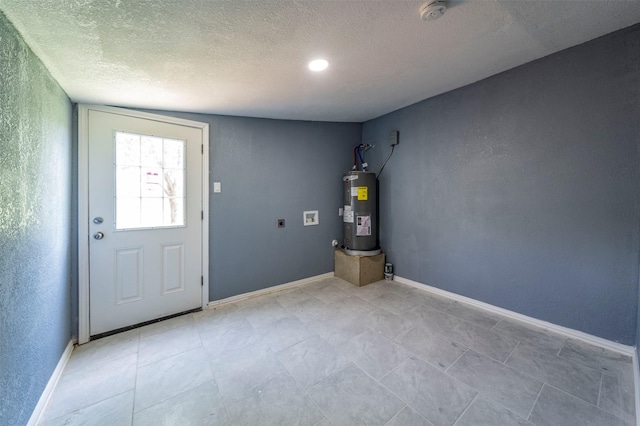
(446, 370)
(545, 382)
(323, 418)
(351, 364)
(466, 409)
(562, 346)
(536, 401)
(586, 402)
(393, 369)
(534, 378)
(599, 390)
(491, 400)
(135, 381)
(512, 352)
(225, 402)
(608, 411)
(226, 410)
(133, 403)
(495, 325)
(67, 414)
(396, 414)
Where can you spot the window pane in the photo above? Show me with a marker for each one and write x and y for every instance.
(173, 211)
(127, 149)
(127, 181)
(152, 213)
(151, 182)
(173, 183)
(150, 151)
(173, 154)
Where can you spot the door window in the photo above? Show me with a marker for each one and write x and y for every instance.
(149, 174)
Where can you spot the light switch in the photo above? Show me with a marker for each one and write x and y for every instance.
(217, 187)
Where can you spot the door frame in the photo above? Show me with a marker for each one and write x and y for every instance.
(83, 203)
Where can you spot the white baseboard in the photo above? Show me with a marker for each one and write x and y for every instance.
(51, 385)
(565, 331)
(269, 290)
(636, 381)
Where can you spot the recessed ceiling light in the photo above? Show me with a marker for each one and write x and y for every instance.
(318, 65)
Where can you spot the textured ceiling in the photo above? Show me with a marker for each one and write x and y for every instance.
(249, 57)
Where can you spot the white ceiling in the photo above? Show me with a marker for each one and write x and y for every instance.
(249, 58)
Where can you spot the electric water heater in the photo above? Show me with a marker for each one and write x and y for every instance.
(360, 213)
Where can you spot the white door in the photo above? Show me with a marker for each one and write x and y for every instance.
(145, 219)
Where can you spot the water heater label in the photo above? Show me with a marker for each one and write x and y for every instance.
(347, 216)
(363, 193)
(363, 227)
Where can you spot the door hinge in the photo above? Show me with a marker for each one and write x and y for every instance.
(201, 149)
(201, 214)
(201, 281)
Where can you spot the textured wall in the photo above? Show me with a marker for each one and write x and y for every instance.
(35, 200)
(521, 190)
(273, 169)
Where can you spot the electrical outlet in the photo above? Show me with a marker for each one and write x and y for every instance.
(394, 138)
(280, 223)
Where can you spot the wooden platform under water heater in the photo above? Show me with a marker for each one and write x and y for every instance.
(359, 270)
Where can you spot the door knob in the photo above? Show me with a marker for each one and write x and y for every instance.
(98, 235)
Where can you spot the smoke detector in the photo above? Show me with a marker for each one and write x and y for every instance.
(432, 10)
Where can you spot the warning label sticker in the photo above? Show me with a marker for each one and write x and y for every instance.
(363, 193)
(363, 226)
(347, 216)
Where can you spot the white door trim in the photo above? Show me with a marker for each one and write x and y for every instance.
(83, 204)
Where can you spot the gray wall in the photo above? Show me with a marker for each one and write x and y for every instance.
(521, 190)
(272, 169)
(35, 201)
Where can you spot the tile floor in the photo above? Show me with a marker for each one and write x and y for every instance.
(329, 353)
